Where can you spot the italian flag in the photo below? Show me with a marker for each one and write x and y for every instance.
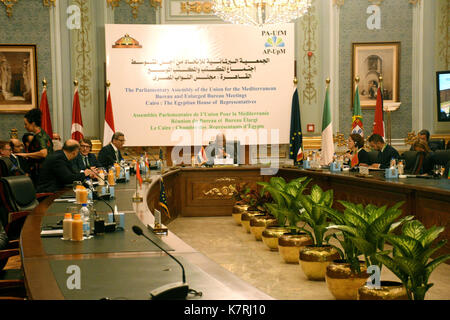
(327, 134)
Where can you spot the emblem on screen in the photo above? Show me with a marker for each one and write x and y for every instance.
(127, 42)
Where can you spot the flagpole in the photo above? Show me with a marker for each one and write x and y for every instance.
(137, 197)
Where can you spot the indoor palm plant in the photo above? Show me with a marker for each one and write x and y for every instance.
(410, 260)
(287, 237)
(365, 228)
(315, 258)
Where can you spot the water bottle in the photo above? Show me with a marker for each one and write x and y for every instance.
(84, 212)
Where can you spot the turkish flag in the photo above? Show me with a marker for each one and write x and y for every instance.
(77, 122)
(46, 122)
(108, 130)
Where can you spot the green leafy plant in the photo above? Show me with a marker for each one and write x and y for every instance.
(410, 260)
(240, 192)
(285, 197)
(258, 199)
(366, 227)
(313, 213)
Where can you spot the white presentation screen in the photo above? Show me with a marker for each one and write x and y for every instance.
(172, 83)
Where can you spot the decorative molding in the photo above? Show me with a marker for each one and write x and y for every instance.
(83, 54)
(376, 2)
(134, 5)
(443, 45)
(414, 2)
(48, 3)
(309, 72)
(338, 3)
(8, 6)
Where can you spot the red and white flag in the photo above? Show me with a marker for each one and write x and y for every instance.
(108, 130)
(77, 122)
(378, 124)
(202, 155)
(46, 122)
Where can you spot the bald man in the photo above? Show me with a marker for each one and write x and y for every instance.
(57, 170)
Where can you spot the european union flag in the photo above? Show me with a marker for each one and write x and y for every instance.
(296, 137)
(163, 198)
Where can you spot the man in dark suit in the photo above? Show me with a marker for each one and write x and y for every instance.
(85, 159)
(57, 169)
(110, 153)
(223, 149)
(20, 162)
(386, 154)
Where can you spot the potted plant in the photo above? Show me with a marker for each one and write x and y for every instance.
(344, 276)
(366, 226)
(286, 237)
(410, 260)
(315, 258)
(256, 200)
(241, 201)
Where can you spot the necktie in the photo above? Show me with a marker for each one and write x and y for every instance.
(15, 161)
(86, 162)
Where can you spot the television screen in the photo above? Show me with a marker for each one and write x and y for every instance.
(443, 95)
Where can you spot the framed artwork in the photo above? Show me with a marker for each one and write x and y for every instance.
(369, 62)
(18, 78)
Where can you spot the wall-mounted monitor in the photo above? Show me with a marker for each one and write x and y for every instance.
(443, 95)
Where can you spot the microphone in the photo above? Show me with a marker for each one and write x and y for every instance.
(109, 227)
(171, 291)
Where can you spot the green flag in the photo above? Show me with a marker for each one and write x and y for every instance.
(327, 133)
(357, 126)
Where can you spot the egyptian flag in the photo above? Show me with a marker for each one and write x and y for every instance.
(163, 198)
(355, 160)
(378, 124)
(108, 129)
(357, 126)
(46, 122)
(77, 122)
(202, 155)
(296, 137)
(138, 174)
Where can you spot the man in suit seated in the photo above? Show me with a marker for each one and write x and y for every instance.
(110, 153)
(386, 154)
(85, 159)
(221, 149)
(20, 162)
(57, 169)
(424, 136)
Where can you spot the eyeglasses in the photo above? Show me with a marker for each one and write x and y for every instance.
(85, 146)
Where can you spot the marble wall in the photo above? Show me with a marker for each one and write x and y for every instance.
(29, 24)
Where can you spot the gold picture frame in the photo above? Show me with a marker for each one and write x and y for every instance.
(18, 78)
(371, 60)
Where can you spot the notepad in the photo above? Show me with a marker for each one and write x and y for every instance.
(52, 233)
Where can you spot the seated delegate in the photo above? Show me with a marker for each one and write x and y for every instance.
(386, 152)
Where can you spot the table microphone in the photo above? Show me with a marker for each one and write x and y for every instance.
(171, 291)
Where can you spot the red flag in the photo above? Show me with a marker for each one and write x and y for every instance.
(77, 122)
(46, 122)
(108, 130)
(378, 124)
(355, 160)
(138, 174)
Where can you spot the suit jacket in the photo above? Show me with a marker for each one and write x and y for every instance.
(384, 158)
(20, 162)
(232, 148)
(78, 163)
(107, 156)
(56, 172)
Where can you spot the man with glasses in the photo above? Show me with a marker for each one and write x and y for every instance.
(110, 153)
(20, 162)
(85, 159)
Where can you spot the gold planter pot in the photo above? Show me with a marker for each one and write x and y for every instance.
(258, 225)
(342, 282)
(246, 217)
(389, 290)
(238, 210)
(270, 236)
(314, 261)
(289, 245)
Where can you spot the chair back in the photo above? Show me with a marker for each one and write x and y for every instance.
(5, 167)
(20, 192)
(437, 144)
(441, 157)
(410, 158)
(373, 155)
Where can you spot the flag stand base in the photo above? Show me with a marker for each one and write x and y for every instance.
(137, 198)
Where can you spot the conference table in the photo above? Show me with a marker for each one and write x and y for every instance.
(121, 265)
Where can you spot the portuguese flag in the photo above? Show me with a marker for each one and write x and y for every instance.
(357, 126)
